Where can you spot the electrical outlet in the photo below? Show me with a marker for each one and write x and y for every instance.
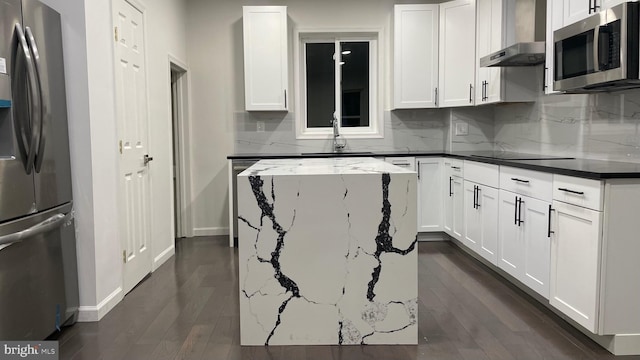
(260, 126)
(462, 129)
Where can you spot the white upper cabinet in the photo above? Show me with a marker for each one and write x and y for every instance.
(415, 50)
(576, 10)
(265, 58)
(488, 39)
(493, 33)
(554, 22)
(457, 53)
(605, 4)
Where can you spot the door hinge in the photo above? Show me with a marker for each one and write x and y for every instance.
(115, 33)
(124, 256)
(120, 146)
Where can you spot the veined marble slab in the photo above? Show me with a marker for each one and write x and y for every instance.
(327, 252)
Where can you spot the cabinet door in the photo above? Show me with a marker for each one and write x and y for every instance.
(555, 11)
(265, 57)
(488, 201)
(457, 53)
(415, 50)
(489, 38)
(575, 10)
(511, 242)
(537, 242)
(447, 203)
(575, 263)
(430, 194)
(473, 217)
(458, 207)
(606, 4)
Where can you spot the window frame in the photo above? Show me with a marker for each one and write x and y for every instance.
(374, 37)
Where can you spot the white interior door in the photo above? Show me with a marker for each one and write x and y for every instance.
(131, 103)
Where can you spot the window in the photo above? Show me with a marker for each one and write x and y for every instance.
(338, 78)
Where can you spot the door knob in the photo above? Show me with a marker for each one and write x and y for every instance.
(147, 158)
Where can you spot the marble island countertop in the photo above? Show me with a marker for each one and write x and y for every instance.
(585, 168)
(322, 166)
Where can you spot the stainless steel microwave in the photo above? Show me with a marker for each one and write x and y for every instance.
(599, 53)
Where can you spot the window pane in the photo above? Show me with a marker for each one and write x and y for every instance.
(355, 83)
(321, 88)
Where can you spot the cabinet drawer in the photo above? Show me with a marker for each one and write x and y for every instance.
(454, 167)
(527, 182)
(406, 162)
(481, 173)
(578, 191)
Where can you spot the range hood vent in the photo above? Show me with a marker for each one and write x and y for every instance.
(520, 54)
(528, 18)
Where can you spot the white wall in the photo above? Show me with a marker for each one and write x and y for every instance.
(166, 34)
(75, 53)
(220, 126)
(88, 47)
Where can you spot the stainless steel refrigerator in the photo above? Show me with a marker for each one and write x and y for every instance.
(38, 265)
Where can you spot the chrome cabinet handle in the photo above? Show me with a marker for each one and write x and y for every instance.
(520, 180)
(470, 92)
(147, 159)
(285, 98)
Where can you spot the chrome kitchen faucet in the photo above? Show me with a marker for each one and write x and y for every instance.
(337, 146)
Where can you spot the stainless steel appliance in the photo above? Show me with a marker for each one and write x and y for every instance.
(38, 271)
(599, 53)
(526, 45)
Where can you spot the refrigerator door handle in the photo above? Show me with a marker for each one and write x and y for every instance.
(35, 97)
(38, 130)
(49, 224)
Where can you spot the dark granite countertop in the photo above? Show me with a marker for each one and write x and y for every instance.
(585, 168)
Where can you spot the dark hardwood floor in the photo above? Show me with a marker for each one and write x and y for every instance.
(188, 309)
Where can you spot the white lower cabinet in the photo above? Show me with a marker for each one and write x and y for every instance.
(524, 240)
(429, 194)
(481, 213)
(453, 201)
(575, 262)
(457, 207)
(453, 206)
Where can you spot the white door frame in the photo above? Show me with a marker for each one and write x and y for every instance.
(184, 137)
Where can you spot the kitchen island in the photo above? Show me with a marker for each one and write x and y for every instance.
(327, 252)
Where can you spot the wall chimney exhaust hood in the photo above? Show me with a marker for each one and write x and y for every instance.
(528, 18)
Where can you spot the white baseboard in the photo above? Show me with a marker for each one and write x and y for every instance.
(163, 257)
(432, 236)
(95, 313)
(210, 231)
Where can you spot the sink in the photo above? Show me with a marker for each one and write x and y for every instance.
(345, 153)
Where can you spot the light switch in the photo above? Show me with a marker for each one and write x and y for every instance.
(260, 126)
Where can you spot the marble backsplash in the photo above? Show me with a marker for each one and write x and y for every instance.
(404, 130)
(597, 126)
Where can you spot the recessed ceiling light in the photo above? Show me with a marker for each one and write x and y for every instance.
(341, 62)
(346, 52)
